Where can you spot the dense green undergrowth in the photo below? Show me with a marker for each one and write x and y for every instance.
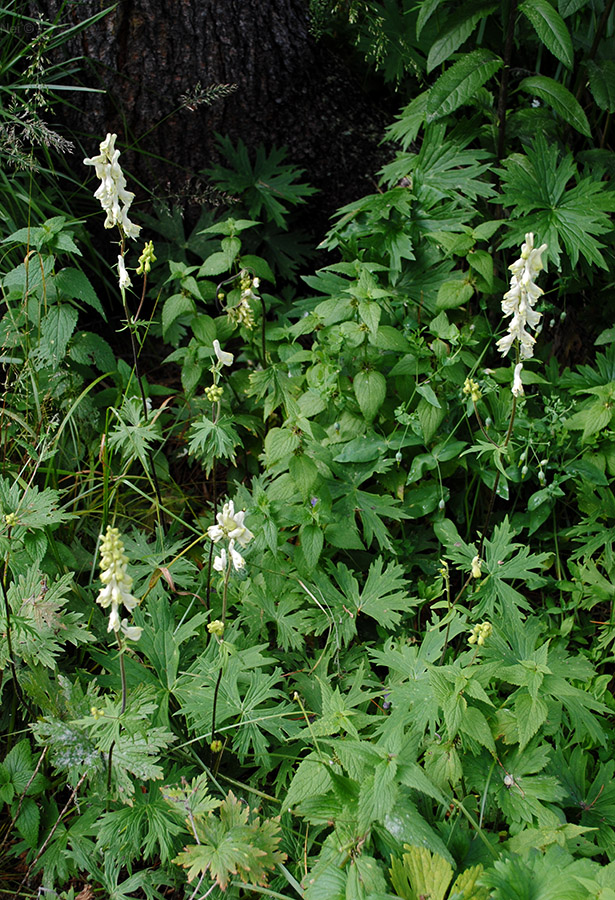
(321, 606)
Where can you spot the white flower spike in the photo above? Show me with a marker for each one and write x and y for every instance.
(520, 300)
(112, 193)
(224, 358)
(117, 583)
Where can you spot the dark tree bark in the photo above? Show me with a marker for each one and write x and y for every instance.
(149, 55)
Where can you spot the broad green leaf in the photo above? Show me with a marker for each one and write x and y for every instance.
(531, 713)
(311, 538)
(426, 11)
(458, 85)
(602, 83)
(216, 264)
(280, 443)
(569, 7)
(303, 472)
(370, 390)
(559, 99)
(453, 294)
(430, 418)
(73, 284)
(482, 262)
(175, 306)
(458, 29)
(57, 327)
(550, 28)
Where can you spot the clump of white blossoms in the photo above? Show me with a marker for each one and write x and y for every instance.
(117, 584)
(230, 528)
(112, 193)
(519, 302)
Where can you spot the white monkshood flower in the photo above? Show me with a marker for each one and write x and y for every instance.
(220, 562)
(117, 582)
(521, 299)
(517, 387)
(224, 358)
(112, 193)
(124, 277)
(230, 526)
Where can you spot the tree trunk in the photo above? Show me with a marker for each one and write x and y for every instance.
(153, 57)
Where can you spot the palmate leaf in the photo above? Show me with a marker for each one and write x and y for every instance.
(269, 185)
(32, 507)
(213, 441)
(384, 596)
(536, 187)
(236, 843)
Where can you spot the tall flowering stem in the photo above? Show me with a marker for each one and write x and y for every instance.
(116, 201)
(231, 530)
(519, 304)
(115, 595)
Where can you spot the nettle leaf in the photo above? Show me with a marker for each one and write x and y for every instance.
(602, 83)
(370, 390)
(235, 843)
(458, 29)
(460, 83)
(57, 327)
(550, 28)
(559, 99)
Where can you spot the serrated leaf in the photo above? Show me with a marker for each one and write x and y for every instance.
(426, 11)
(370, 390)
(175, 306)
(216, 264)
(303, 472)
(458, 29)
(550, 28)
(482, 262)
(311, 538)
(531, 713)
(280, 443)
(559, 99)
(569, 7)
(452, 294)
(602, 83)
(458, 85)
(73, 284)
(57, 327)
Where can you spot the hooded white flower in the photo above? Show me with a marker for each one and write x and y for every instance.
(224, 358)
(517, 387)
(220, 562)
(230, 527)
(112, 193)
(122, 272)
(117, 582)
(520, 300)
